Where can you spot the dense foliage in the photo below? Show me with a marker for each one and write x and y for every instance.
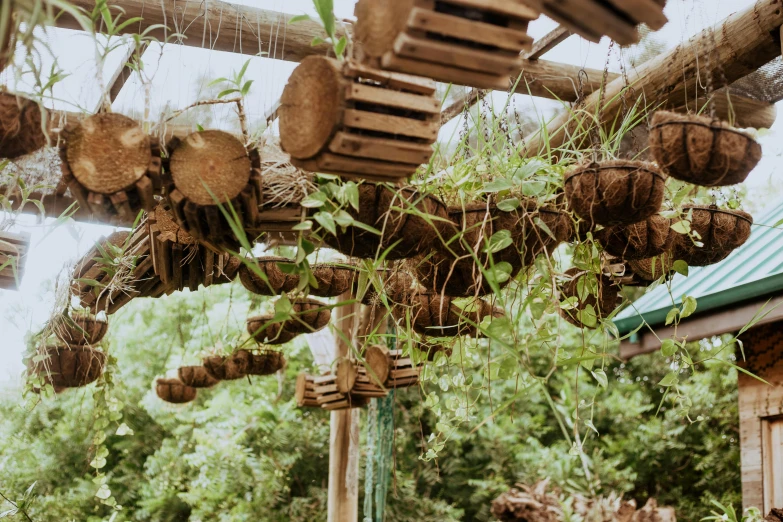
(243, 451)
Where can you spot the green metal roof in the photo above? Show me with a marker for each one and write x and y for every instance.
(752, 271)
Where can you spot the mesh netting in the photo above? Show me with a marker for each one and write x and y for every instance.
(766, 84)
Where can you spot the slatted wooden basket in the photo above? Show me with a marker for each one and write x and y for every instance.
(323, 392)
(111, 166)
(13, 254)
(617, 19)
(208, 168)
(466, 42)
(346, 119)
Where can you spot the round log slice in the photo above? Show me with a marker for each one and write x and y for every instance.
(378, 363)
(346, 376)
(212, 158)
(378, 23)
(108, 153)
(311, 106)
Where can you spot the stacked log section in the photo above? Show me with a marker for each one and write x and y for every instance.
(13, 255)
(22, 129)
(175, 391)
(409, 222)
(111, 167)
(323, 392)
(71, 366)
(179, 260)
(476, 42)
(345, 119)
(305, 391)
(593, 19)
(208, 170)
(387, 369)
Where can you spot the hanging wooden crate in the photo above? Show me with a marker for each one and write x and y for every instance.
(305, 391)
(111, 166)
(387, 368)
(22, 123)
(323, 392)
(13, 255)
(592, 19)
(178, 259)
(346, 119)
(466, 42)
(208, 169)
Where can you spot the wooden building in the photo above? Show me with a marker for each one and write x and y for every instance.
(746, 287)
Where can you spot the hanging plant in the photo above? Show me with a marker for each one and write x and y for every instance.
(265, 362)
(70, 367)
(304, 316)
(701, 150)
(589, 298)
(227, 368)
(174, 391)
(393, 283)
(196, 377)
(439, 316)
(80, 329)
(714, 233)
(642, 240)
(647, 271)
(266, 278)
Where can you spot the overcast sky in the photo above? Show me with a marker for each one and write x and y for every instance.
(180, 76)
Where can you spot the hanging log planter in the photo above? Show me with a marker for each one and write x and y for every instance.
(175, 391)
(23, 126)
(178, 259)
(702, 151)
(71, 367)
(277, 282)
(642, 240)
(208, 168)
(196, 377)
(647, 271)
(593, 19)
(265, 362)
(305, 391)
(476, 43)
(111, 166)
(386, 369)
(345, 119)
(721, 232)
(324, 392)
(81, 329)
(603, 302)
(410, 223)
(13, 255)
(436, 315)
(615, 193)
(227, 368)
(307, 316)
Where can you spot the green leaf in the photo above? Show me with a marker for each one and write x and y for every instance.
(339, 48)
(314, 200)
(227, 92)
(343, 218)
(669, 347)
(103, 492)
(588, 316)
(497, 186)
(500, 273)
(98, 462)
(124, 430)
(327, 221)
(681, 267)
(672, 315)
(352, 194)
(600, 376)
(508, 205)
(682, 227)
(299, 18)
(688, 307)
(670, 379)
(498, 241)
(317, 41)
(303, 226)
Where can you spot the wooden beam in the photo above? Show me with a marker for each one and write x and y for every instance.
(122, 74)
(743, 42)
(547, 42)
(702, 326)
(216, 25)
(343, 493)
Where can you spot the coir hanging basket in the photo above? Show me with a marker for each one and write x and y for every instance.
(333, 279)
(265, 362)
(211, 169)
(647, 271)
(21, 126)
(615, 193)
(721, 232)
(603, 303)
(111, 166)
(642, 240)
(409, 223)
(702, 151)
(277, 281)
(81, 329)
(438, 316)
(346, 119)
(196, 377)
(227, 368)
(71, 367)
(307, 316)
(174, 391)
(395, 283)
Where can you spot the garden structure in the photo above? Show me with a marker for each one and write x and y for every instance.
(421, 269)
(747, 288)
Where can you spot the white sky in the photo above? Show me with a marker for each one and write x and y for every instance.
(181, 74)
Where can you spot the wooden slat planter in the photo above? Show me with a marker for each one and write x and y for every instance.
(358, 122)
(111, 167)
(13, 254)
(323, 392)
(617, 19)
(467, 42)
(212, 165)
(390, 367)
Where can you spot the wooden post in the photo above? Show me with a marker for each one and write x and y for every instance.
(343, 494)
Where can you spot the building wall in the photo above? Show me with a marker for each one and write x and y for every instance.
(757, 401)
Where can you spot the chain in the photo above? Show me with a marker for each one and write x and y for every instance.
(596, 135)
(628, 91)
(719, 68)
(485, 111)
(464, 133)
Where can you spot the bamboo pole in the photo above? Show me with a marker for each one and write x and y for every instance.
(743, 42)
(343, 494)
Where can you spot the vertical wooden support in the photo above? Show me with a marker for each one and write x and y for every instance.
(344, 430)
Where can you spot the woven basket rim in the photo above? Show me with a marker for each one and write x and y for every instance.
(646, 167)
(714, 209)
(715, 126)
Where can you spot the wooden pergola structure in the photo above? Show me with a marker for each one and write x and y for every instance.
(744, 42)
